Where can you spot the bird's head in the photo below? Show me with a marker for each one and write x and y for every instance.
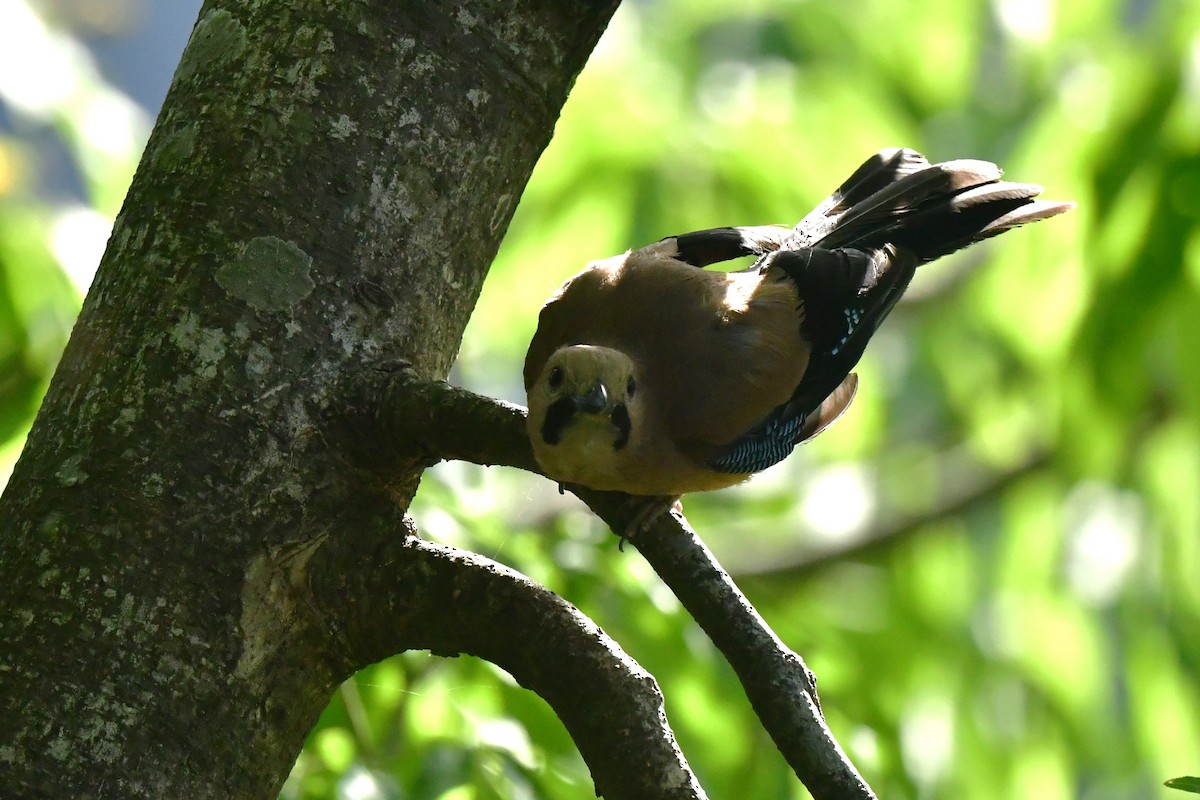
(582, 408)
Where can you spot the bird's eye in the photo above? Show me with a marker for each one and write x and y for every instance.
(556, 377)
(630, 388)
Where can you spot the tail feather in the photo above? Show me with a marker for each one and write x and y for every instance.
(951, 222)
(1030, 212)
(876, 173)
(897, 197)
(851, 259)
(889, 206)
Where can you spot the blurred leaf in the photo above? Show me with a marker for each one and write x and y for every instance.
(20, 384)
(1037, 636)
(1185, 784)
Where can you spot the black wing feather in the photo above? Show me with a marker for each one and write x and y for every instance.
(852, 258)
(846, 294)
(701, 248)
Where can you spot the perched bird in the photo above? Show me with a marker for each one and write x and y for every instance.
(652, 376)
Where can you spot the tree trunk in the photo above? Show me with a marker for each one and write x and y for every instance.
(324, 190)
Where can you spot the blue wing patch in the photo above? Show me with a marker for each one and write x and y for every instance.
(853, 317)
(761, 448)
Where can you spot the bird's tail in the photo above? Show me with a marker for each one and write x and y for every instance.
(898, 197)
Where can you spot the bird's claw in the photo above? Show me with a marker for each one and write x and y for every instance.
(648, 510)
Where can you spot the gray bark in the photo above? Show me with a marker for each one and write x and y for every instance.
(324, 189)
(413, 414)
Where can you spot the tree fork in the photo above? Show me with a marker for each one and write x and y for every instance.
(399, 413)
(326, 183)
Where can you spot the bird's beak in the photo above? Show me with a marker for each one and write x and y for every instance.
(595, 401)
(560, 413)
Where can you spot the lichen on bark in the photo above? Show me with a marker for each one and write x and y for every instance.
(157, 636)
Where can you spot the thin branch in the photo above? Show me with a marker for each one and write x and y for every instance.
(409, 594)
(883, 538)
(448, 423)
(779, 685)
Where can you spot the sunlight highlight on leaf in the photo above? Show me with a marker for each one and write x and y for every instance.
(1027, 20)
(78, 237)
(838, 501)
(362, 784)
(40, 70)
(927, 739)
(1103, 529)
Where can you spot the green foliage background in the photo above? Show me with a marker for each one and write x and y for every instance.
(992, 562)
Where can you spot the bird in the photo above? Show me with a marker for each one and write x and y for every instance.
(652, 376)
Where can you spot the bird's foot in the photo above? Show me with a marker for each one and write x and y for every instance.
(647, 510)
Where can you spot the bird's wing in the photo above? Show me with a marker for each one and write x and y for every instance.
(843, 296)
(701, 248)
(769, 443)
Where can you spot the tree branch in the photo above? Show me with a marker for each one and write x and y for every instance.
(444, 422)
(882, 538)
(778, 683)
(407, 594)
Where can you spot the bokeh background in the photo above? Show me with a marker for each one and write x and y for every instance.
(992, 562)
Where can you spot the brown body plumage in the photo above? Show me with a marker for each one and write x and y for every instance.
(748, 356)
(653, 376)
